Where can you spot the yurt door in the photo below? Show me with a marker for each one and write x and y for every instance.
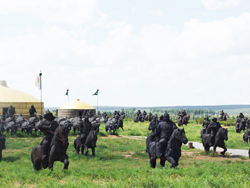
(5, 110)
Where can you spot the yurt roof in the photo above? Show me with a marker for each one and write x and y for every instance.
(76, 105)
(9, 95)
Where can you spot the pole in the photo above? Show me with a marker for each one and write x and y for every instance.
(97, 103)
(41, 93)
(68, 95)
(156, 124)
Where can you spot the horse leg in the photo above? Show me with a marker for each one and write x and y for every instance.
(77, 149)
(82, 150)
(223, 152)
(86, 151)
(51, 158)
(163, 161)
(214, 149)
(65, 160)
(172, 161)
(93, 152)
(37, 165)
(152, 162)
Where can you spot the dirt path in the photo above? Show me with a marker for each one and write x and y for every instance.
(236, 152)
(197, 145)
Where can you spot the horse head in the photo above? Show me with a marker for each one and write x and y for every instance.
(180, 135)
(222, 132)
(63, 131)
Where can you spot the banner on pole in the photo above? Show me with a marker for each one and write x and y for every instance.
(96, 93)
(38, 82)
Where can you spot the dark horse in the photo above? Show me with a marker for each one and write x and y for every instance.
(183, 120)
(111, 126)
(218, 141)
(90, 142)
(173, 149)
(240, 125)
(77, 123)
(59, 146)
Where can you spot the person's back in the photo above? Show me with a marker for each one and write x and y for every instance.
(87, 126)
(32, 111)
(164, 131)
(11, 111)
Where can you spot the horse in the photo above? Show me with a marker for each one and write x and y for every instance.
(183, 120)
(77, 123)
(24, 125)
(150, 117)
(120, 123)
(90, 142)
(2, 144)
(10, 125)
(111, 126)
(219, 139)
(240, 125)
(136, 119)
(173, 149)
(57, 150)
(59, 145)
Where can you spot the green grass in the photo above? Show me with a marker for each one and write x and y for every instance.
(121, 162)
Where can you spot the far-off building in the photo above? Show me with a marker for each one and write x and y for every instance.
(19, 100)
(75, 108)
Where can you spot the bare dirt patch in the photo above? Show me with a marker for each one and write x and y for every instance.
(17, 184)
(217, 158)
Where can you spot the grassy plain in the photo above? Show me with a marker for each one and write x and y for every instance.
(122, 162)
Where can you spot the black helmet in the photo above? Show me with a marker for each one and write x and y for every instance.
(166, 116)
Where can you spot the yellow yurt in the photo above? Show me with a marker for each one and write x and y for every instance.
(19, 100)
(74, 109)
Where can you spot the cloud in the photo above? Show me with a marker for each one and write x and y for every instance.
(157, 13)
(220, 4)
(201, 63)
(61, 11)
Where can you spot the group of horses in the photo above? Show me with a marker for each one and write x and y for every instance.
(141, 117)
(57, 151)
(15, 123)
(43, 157)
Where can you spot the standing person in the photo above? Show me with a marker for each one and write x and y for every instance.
(164, 131)
(32, 111)
(11, 111)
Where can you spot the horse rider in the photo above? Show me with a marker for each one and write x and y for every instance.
(206, 122)
(48, 127)
(184, 113)
(85, 129)
(164, 131)
(241, 116)
(212, 129)
(11, 111)
(32, 111)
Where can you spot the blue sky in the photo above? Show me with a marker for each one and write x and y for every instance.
(137, 52)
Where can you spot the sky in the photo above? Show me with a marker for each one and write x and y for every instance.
(136, 52)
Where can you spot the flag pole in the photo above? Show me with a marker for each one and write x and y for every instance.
(97, 103)
(41, 93)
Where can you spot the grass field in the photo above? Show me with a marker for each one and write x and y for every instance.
(122, 162)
